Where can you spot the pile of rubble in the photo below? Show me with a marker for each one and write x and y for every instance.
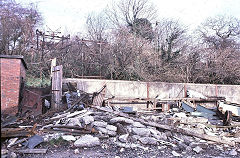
(84, 125)
(89, 126)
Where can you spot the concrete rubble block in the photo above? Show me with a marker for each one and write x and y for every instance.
(11, 142)
(111, 133)
(74, 122)
(123, 138)
(138, 124)
(148, 140)
(87, 141)
(121, 119)
(155, 132)
(197, 149)
(141, 131)
(135, 137)
(87, 120)
(69, 137)
(182, 146)
(188, 148)
(163, 136)
(111, 128)
(76, 151)
(176, 154)
(4, 151)
(233, 152)
(99, 123)
(13, 155)
(180, 115)
(102, 130)
(106, 131)
(129, 129)
(194, 120)
(168, 134)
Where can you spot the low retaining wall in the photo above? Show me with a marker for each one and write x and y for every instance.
(136, 89)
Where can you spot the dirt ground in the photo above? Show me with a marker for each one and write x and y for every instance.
(108, 149)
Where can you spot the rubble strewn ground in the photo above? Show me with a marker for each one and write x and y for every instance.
(104, 132)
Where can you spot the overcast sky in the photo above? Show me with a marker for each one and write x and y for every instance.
(69, 16)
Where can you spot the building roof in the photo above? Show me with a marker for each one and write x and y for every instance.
(15, 57)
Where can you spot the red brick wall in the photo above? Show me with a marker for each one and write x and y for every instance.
(10, 84)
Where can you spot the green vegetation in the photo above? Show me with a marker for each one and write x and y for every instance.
(37, 82)
(59, 141)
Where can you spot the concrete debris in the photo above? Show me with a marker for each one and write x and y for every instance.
(121, 120)
(87, 141)
(176, 154)
(11, 142)
(123, 138)
(233, 152)
(13, 155)
(197, 149)
(4, 151)
(76, 151)
(99, 123)
(183, 130)
(111, 128)
(148, 140)
(141, 131)
(87, 120)
(69, 138)
(138, 124)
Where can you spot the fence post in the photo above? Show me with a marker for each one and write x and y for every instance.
(56, 87)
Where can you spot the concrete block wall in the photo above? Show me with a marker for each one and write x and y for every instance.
(135, 89)
(10, 84)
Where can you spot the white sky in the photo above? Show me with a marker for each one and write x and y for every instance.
(70, 15)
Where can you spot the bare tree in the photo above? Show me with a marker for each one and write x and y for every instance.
(97, 26)
(17, 27)
(220, 38)
(125, 12)
(171, 39)
(220, 32)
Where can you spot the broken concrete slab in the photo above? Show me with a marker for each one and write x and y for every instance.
(111, 128)
(138, 124)
(121, 120)
(69, 137)
(148, 140)
(233, 152)
(197, 149)
(87, 120)
(99, 123)
(87, 141)
(123, 138)
(176, 154)
(141, 131)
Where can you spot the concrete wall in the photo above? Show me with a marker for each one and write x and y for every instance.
(135, 89)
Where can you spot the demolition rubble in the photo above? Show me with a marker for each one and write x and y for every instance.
(183, 130)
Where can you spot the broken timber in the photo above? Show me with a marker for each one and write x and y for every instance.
(33, 151)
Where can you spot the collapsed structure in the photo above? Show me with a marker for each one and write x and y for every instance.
(130, 115)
